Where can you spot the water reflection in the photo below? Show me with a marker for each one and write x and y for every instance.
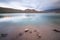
(31, 18)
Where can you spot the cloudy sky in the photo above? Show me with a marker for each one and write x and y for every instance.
(34, 4)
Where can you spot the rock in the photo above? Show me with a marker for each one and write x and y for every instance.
(3, 35)
(30, 32)
(38, 35)
(56, 30)
(35, 30)
(26, 30)
(20, 34)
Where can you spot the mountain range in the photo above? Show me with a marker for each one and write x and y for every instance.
(10, 10)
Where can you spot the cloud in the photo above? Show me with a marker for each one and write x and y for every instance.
(14, 5)
(34, 4)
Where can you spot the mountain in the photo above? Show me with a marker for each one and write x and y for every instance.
(31, 11)
(52, 10)
(10, 10)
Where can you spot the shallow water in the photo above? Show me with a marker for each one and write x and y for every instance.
(45, 23)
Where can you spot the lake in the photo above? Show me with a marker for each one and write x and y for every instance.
(13, 24)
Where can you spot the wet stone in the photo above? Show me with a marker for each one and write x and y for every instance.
(30, 32)
(3, 35)
(56, 30)
(20, 34)
(38, 35)
(35, 30)
(26, 30)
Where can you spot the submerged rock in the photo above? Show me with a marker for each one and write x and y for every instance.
(30, 32)
(3, 35)
(35, 30)
(56, 30)
(20, 34)
(39, 36)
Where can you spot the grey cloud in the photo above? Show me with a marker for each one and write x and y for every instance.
(38, 4)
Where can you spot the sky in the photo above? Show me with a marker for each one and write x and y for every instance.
(31, 4)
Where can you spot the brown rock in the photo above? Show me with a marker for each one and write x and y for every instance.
(3, 35)
(26, 30)
(20, 34)
(56, 30)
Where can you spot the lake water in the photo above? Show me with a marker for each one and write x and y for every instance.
(45, 22)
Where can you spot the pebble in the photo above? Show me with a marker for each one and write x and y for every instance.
(26, 30)
(20, 34)
(3, 35)
(35, 30)
(30, 32)
(56, 30)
